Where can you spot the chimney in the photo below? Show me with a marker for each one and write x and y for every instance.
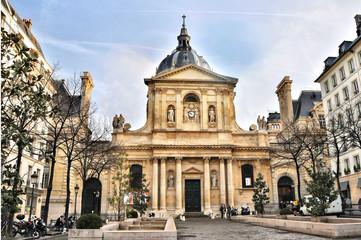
(28, 23)
(285, 100)
(86, 89)
(358, 24)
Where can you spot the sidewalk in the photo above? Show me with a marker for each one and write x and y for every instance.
(57, 236)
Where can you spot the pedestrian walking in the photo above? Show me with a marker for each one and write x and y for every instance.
(222, 209)
(229, 210)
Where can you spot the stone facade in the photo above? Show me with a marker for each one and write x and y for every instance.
(191, 134)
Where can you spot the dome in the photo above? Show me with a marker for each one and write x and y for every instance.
(182, 55)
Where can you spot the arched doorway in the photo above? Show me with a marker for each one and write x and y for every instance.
(92, 195)
(286, 189)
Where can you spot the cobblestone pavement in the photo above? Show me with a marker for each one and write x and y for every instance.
(205, 228)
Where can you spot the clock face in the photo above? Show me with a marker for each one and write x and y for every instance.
(191, 113)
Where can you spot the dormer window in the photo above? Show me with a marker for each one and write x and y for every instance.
(342, 73)
(351, 65)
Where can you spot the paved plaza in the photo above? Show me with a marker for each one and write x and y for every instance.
(205, 228)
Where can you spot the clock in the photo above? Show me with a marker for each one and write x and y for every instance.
(191, 114)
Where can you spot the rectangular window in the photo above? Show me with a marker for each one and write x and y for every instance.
(347, 164)
(337, 99)
(351, 64)
(342, 73)
(334, 80)
(45, 179)
(355, 87)
(340, 120)
(349, 115)
(346, 93)
(30, 171)
(327, 89)
(321, 120)
(329, 104)
(344, 142)
(41, 151)
(358, 106)
(356, 160)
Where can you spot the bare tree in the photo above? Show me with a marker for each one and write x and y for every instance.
(313, 139)
(288, 150)
(337, 140)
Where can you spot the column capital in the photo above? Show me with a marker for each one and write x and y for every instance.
(178, 90)
(204, 91)
(155, 159)
(229, 160)
(163, 159)
(178, 159)
(206, 159)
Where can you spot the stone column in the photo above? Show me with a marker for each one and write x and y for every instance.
(157, 111)
(179, 109)
(226, 108)
(163, 111)
(163, 183)
(230, 182)
(207, 187)
(204, 109)
(179, 184)
(219, 109)
(155, 184)
(222, 179)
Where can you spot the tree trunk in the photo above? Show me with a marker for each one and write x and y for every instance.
(299, 182)
(66, 215)
(50, 187)
(15, 187)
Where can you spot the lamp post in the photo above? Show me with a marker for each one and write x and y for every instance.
(76, 189)
(34, 177)
(97, 194)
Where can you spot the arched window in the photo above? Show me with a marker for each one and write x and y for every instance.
(136, 172)
(247, 175)
(191, 98)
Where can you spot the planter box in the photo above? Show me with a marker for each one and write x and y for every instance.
(85, 234)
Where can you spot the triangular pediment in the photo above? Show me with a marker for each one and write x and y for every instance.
(192, 170)
(192, 72)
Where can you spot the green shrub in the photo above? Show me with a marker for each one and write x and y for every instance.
(89, 221)
(286, 211)
(132, 214)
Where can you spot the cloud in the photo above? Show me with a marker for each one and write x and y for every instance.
(120, 88)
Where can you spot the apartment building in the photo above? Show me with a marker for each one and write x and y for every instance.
(340, 84)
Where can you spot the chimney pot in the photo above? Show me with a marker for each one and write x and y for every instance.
(28, 24)
(358, 24)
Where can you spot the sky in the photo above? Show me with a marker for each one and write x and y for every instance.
(259, 42)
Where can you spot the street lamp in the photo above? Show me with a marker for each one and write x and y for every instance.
(76, 189)
(97, 194)
(34, 177)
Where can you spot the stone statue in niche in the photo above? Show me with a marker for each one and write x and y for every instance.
(170, 181)
(212, 115)
(185, 114)
(214, 180)
(171, 114)
(196, 111)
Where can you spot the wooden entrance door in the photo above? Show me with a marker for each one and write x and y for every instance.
(193, 195)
